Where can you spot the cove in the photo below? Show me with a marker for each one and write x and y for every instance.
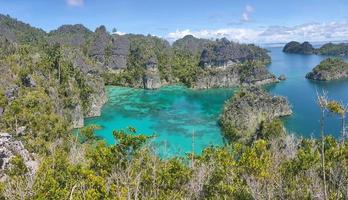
(175, 113)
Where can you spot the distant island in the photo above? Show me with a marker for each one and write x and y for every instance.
(329, 69)
(328, 49)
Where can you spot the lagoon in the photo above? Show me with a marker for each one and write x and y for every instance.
(184, 120)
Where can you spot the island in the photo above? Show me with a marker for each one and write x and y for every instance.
(298, 48)
(245, 113)
(328, 49)
(329, 69)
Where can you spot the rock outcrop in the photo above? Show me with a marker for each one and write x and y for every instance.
(97, 97)
(282, 77)
(151, 78)
(243, 114)
(234, 75)
(298, 48)
(9, 147)
(223, 53)
(329, 69)
(111, 51)
(228, 64)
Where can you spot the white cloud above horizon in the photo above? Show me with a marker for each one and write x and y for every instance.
(246, 16)
(315, 32)
(75, 3)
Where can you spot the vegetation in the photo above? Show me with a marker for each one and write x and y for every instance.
(296, 47)
(329, 69)
(44, 84)
(328, 49)
(331, 49)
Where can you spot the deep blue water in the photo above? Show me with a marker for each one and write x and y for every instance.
(178, 116)
(301, 92)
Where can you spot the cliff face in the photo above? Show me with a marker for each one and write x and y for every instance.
(223, 53)
(329, 69)
(151, 78)
(244, 113)
(227, 64)
(110, 50)
(233, 75)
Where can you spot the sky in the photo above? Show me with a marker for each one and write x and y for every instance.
(247, 21)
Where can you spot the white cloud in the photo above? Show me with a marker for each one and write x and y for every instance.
(75, 2)
(236, 34)
(314, 32)
(246, 16)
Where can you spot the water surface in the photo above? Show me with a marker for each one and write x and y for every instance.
(178, 116)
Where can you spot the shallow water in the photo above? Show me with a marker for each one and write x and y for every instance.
(175, 114)
(178, 116)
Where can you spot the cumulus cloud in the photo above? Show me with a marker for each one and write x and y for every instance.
(273, 34)
(75, 3)
(246, 16)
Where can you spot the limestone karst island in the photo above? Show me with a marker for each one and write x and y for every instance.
(173, 100)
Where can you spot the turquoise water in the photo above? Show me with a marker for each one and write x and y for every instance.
(177, 115)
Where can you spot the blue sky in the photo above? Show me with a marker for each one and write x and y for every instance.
(260, 21)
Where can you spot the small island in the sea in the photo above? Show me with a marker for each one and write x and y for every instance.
(328, 49)
(329, 69)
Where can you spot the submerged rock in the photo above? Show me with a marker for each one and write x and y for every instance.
(282, 77)
(329, 69)
(9, 148)
(243, 114)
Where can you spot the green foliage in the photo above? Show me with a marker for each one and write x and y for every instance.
(185, 67)
(87, 133)
(296, 47)
(331, 64)
(3, 99)
(336, 107)
(271, 129)
(331, 49)
(24, 33)
(18, 168)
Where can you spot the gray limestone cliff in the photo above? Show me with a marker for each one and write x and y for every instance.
(151, 78)
(110, 50)
(234, 75)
